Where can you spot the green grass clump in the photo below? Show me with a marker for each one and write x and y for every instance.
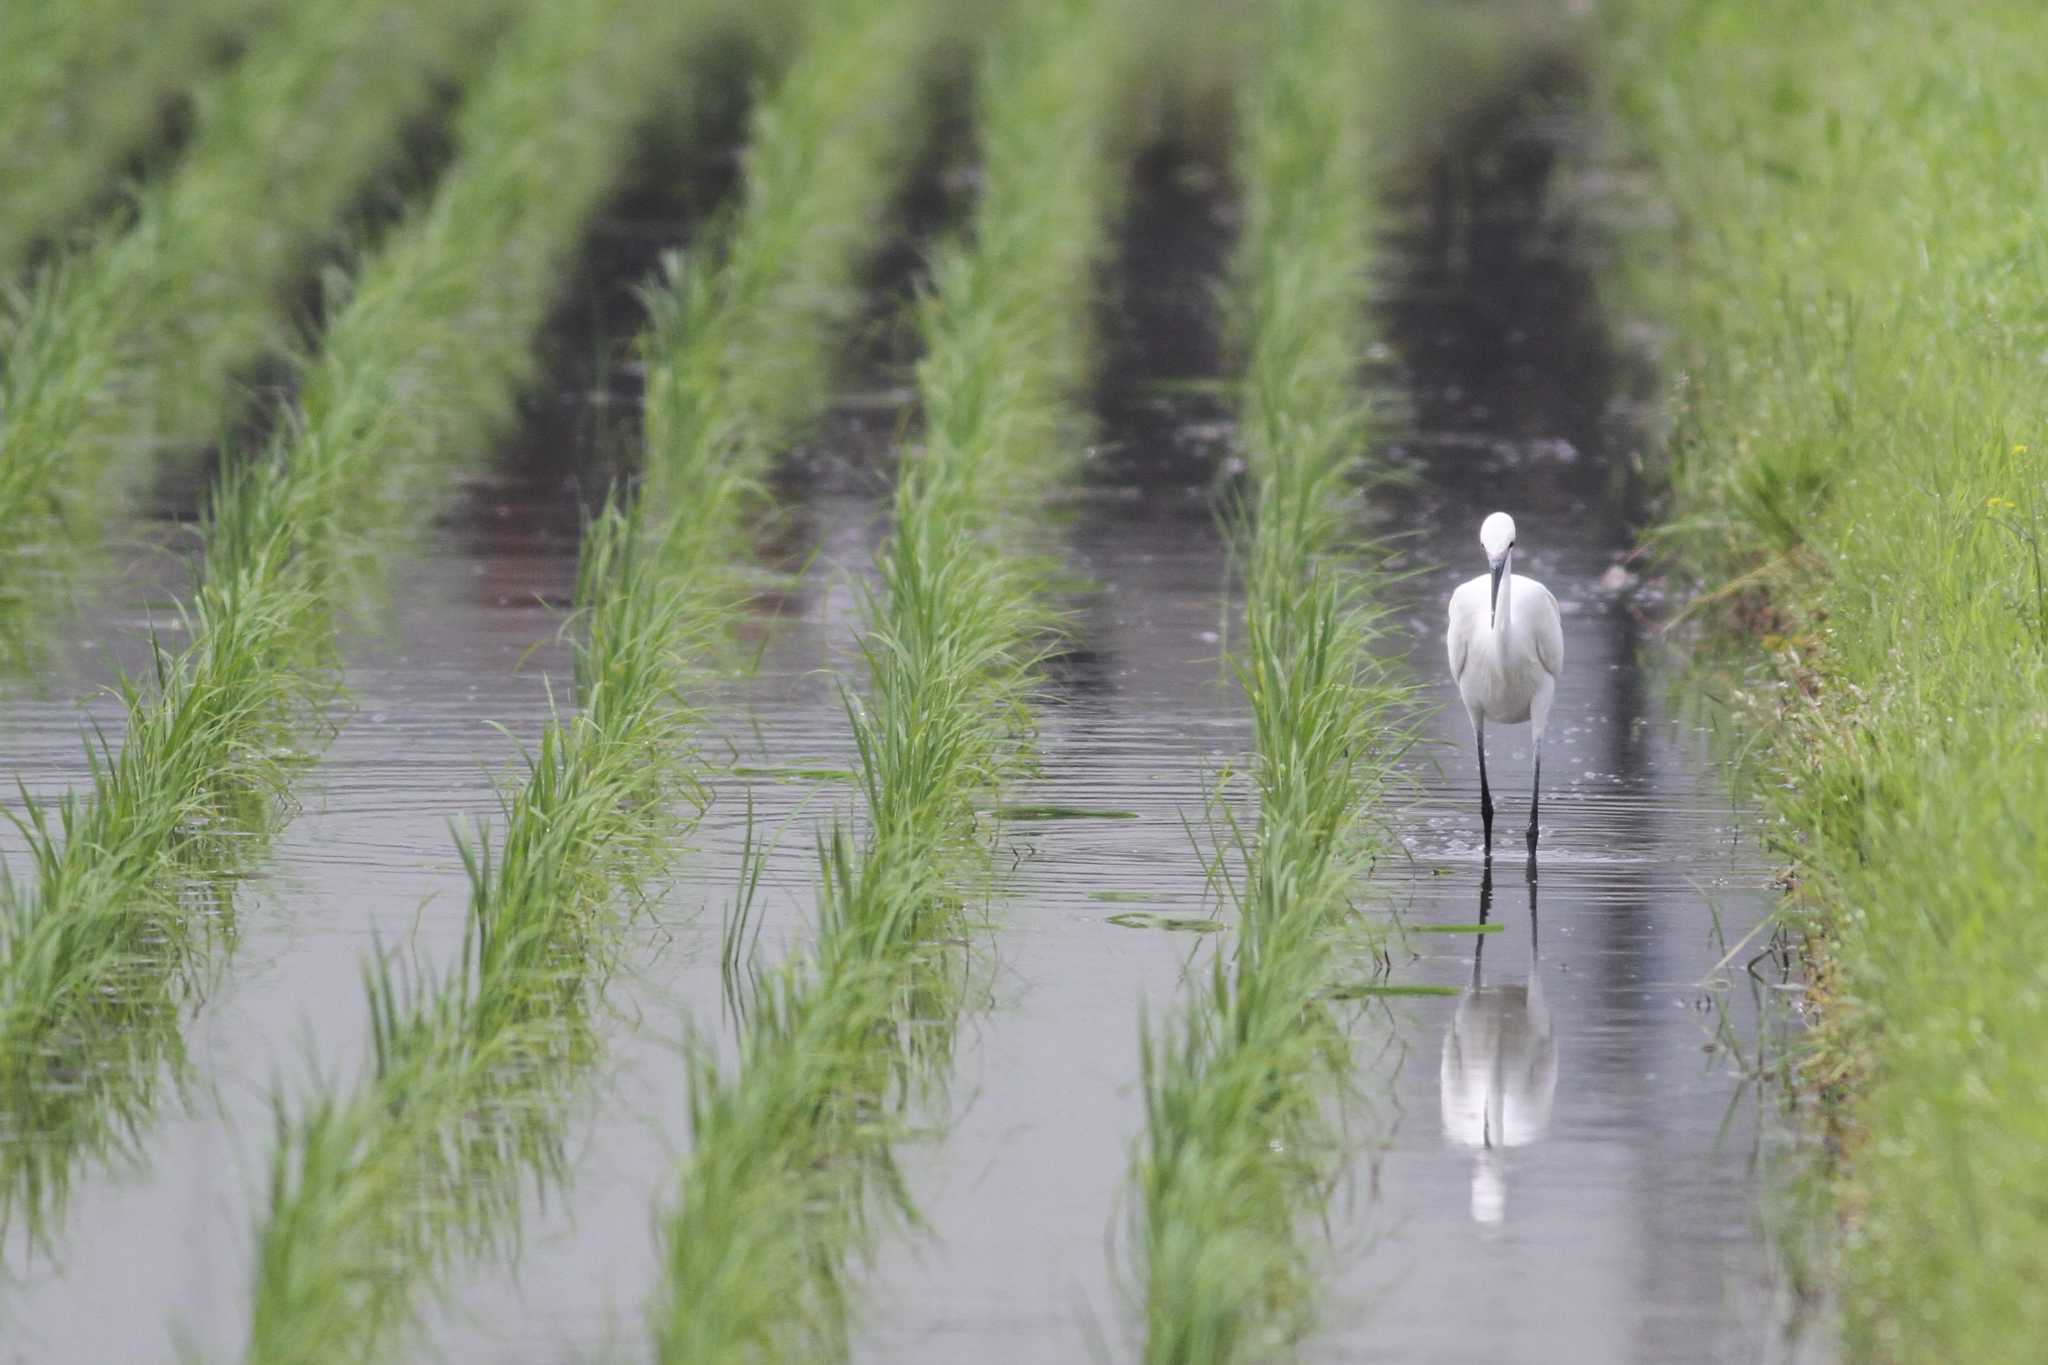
(132, 343)
(791, 1146)
(374, 1192)
(1857, 288)
(1241, 1142)
(422, 366)
(83, 85)
(742, 347)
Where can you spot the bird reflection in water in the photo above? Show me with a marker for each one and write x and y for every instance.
(1500, 1064)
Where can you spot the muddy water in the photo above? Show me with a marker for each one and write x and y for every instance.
(1572, 1166)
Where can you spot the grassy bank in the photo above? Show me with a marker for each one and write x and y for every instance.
(374, 1190)
(789, 1168)
(85, 86)
(97, 933)
(1855, 290)
(132, 343)
(1241, 1143)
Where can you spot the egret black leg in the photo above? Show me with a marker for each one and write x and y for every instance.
(1535, 798)
(1485, 794)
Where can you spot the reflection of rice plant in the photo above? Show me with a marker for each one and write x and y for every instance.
(791, 1147)
(1239, 1142)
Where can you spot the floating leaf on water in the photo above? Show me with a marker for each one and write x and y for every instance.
(1043, 812)
(1195, 384)
(1357, 992)
(1455, 928)
(800, 774)
(1132, 896)
(1149, 919)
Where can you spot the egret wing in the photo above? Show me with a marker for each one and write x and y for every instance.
(1549, 634)
(1458, 639)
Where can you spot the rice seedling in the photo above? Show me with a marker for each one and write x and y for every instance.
(450, 307)
(131, 343)
(740, 351)
(1241, 1140)
(790, 1167)
(83, 86)
(1855, 296)
(374, 1191)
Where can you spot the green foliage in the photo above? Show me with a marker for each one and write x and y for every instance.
(132, 343)
(451, 307)
(742, 348)
(374, 1193)
(791, 1162)
(1858, 285)
(82, 85)
(1240, 1142)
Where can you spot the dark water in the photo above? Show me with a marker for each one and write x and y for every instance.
(1614, 1218)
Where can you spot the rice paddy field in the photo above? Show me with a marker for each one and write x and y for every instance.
(764, 682)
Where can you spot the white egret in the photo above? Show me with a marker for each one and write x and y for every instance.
(1507, 652)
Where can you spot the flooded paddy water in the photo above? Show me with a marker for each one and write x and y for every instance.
(1577, 1153)
(1563, 1155)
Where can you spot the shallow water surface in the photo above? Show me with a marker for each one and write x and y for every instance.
(1573, 1157)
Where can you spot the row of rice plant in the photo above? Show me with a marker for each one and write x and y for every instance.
(134, 341)
(1242, 1136)
(1855, 289)
(376, 1190)
(789, 1168)
(422, 365)
(84, 87)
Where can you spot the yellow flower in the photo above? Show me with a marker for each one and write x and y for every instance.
(2019, 450)
(2000, 504)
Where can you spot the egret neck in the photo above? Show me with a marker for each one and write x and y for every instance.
(1503, 605)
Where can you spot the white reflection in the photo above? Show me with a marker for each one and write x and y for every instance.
(1500, 1064)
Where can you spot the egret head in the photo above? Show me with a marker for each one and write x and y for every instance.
(1497, 538)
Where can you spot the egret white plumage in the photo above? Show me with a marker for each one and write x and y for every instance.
(1507, 652)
